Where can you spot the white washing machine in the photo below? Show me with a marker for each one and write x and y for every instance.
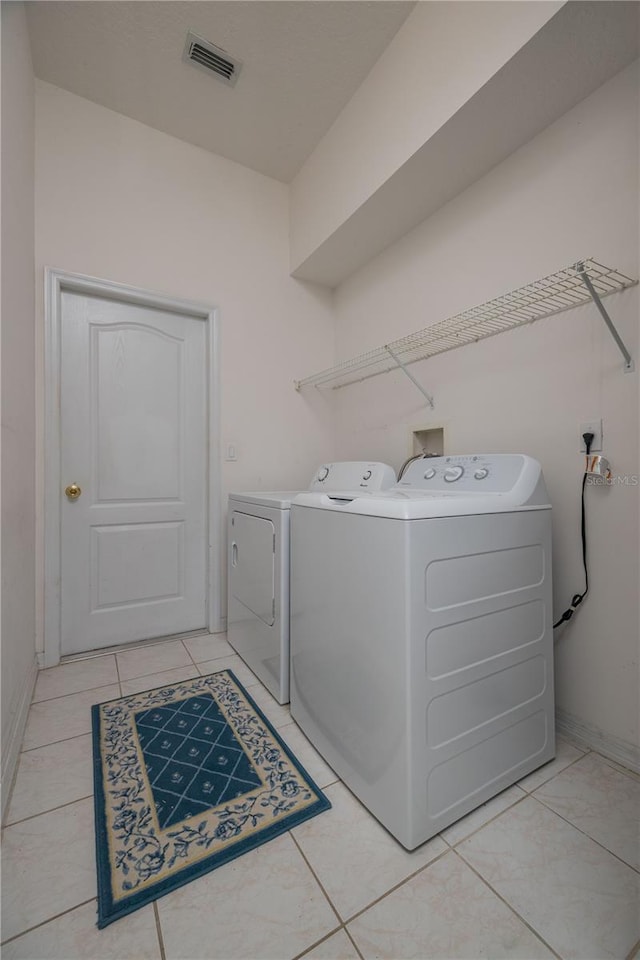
(258, 568)
(422, 639)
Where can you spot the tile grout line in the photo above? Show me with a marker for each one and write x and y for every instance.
(182, 666)
(156, 913)
(619, 767)
(50, 743)
(468, 836)
(509, 906)
(159, 673)
(613, 765)
(635, 951)
(325, 786)
(356, 947)
(397, 886)
(188, 652)
(42, 746)
(75, 693)
(532, 796)
(43, 923)
(42, 813)
(553, 775)
(516, 803)
(317, 943)
(316, 878)
(197, 664)
(60, 696)
(585, 834)
(118, 674)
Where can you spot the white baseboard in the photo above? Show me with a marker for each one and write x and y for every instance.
(622, 751)
(14, 740)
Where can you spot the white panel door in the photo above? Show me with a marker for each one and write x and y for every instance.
(134, 440)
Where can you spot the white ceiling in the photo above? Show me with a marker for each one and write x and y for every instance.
(302, 62)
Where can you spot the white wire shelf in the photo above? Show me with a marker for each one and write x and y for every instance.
(544, 298)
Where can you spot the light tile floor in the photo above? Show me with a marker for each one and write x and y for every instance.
(547, 869)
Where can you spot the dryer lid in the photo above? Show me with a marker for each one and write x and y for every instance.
(277, 499)
(341, 475)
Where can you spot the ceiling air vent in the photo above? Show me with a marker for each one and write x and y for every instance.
(212, 59)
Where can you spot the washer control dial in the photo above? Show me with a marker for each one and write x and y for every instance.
(366, 475)
(481, 473)
(452, 474)
(323, 473)
(430, 474)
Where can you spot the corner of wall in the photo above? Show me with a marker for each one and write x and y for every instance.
(13, 741)
(586, 735)
(19, 665)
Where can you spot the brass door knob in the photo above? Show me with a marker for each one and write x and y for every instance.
(73, 491)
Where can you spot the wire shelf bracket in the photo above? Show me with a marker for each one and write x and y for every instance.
(408, 373)
(583, 282)
(629, 365)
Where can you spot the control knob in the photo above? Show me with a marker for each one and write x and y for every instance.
(430, 474)
(481, 473)
(366, 475)
(323, 473)
(452, 474)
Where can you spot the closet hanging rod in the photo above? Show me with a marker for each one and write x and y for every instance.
(568, 288)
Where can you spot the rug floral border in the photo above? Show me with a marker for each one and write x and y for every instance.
(137, 860)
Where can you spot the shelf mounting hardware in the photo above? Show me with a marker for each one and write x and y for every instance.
(629, 365)
(403, 367)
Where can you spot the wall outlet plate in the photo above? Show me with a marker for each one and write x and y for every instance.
(594, 427)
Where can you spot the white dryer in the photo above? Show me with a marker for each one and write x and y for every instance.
(258, 568)
(421, 636)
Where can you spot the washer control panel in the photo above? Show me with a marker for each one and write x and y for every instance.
(472, 473)
(352, 475)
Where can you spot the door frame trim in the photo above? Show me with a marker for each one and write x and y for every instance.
(57, 281)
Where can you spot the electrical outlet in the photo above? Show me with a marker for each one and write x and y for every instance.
(594, 427)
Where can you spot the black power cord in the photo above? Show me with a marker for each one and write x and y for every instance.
(579, 597)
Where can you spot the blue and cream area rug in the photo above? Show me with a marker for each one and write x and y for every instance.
(187, 777)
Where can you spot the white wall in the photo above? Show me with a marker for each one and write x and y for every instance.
(18, 385)
(118, 200)
(402, 103)
(571, 192)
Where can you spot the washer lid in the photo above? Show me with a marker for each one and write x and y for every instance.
(447, 487)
